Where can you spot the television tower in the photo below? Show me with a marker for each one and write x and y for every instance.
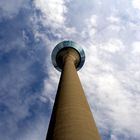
(71, 117)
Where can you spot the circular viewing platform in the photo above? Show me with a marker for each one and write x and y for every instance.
(64, 45)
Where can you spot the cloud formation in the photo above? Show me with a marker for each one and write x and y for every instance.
(9, 9)
(110, 36)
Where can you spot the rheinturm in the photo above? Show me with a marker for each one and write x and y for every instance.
(71, 117)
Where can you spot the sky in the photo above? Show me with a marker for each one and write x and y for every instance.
(109, 33)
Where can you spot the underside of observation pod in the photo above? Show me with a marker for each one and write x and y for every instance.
(62, 49)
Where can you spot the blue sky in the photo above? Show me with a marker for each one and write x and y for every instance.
(108, 31)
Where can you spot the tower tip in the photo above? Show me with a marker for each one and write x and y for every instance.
(68, 44)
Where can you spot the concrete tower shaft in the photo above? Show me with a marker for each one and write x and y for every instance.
(65, 54)
(71, 117)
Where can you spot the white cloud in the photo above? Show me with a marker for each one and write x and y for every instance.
(113, 46)
(136, 47)
(91, 25)
(115, 28)
(50, 84)
(113, 19)
(136, 4)
(53, 11)
(10, 8)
